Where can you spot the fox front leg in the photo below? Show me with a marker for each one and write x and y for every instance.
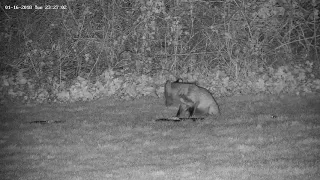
(192, 109)
(179, 111)
(182, 109)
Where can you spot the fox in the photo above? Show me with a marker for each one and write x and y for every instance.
(191, 98)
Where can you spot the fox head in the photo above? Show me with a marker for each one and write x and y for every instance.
(168, 94)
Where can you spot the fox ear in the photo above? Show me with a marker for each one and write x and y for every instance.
(179, 80)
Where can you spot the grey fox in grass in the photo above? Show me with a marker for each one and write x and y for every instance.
(191, 98)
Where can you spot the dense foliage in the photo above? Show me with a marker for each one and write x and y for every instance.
(82, 50)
